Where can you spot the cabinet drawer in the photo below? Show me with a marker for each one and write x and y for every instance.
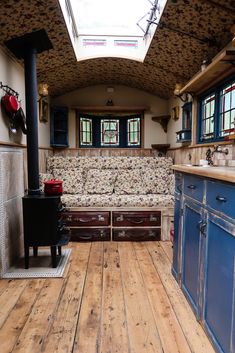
(137, 219)
(88, 234)
(194, 187)
(86, 218)
(220, 197)
(136, 234)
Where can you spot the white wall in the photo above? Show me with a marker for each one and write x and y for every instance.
(12, 75)
(122, 96)
(174, 125)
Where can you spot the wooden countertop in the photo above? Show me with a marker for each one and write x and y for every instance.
(219, 173)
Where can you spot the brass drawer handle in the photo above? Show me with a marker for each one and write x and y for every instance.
(122, 234)
(221, 198)
(100, 218)
(85, 220)
(120, 218)
(153, 218)
(135, 221)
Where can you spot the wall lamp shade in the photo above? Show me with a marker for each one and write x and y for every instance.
(43, 89)
(184, 97)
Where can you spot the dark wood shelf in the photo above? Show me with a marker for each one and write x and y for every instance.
(161, 147)
(222, 66)
(108, 108)
(162, 120)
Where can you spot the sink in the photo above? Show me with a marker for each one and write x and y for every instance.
(198, 165)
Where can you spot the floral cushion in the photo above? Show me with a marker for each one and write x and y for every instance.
(73, 180)
(129, 182)
(59, 162)
(155, 180)
(100, 181)
(171, 184)
(114, 200)
(44, 177)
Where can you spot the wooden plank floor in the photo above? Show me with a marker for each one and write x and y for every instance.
(114, 298)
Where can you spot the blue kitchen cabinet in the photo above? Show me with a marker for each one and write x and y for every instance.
(176, 242)
(191, 256)
(206, 257)
(177, 226)
(219, 307)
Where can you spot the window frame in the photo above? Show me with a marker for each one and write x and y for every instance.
(123, 128)
(217, 89)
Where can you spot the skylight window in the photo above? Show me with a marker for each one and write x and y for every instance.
(109, 17)
(118, 28)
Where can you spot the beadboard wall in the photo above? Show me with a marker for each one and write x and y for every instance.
(192, 155)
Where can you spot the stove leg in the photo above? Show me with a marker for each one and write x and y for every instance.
(35, 251)
(59, 250)
(26, 257)
(53, 256)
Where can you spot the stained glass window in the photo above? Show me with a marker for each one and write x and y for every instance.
(86, 132)
(133, 132)
(208, 115)
(227, 110)
(109, 132)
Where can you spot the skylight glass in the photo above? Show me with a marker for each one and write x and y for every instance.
(111, 28)
(112, 17)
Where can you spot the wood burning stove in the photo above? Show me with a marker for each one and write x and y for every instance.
(43, 225)
(42, 214)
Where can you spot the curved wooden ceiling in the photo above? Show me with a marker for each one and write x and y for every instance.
(172, 56)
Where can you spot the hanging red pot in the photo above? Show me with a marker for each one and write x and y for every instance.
(10, 103)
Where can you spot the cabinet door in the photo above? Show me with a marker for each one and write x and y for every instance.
(191, 260)
(59, 126)
(177, 239)
(219, 297)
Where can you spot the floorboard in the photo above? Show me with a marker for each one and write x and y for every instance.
(114, 298)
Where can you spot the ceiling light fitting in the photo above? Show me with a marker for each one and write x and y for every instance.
(184, 97)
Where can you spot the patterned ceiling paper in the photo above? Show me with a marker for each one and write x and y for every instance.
(172, 57)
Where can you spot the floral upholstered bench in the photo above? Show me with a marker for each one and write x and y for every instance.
(119, 198)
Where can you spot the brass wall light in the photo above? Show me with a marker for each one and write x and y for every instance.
(43, 102)
(184, 97)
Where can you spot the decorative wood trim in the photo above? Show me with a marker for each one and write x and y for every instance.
(194, 122)
(202, 145)
(19, 145)
(142, 130)
(106, 108)
(162, 120)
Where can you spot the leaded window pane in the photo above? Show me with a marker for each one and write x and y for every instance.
(227, 110)
(208, 115)
(85, 132)
(133, 132)
(109, 132)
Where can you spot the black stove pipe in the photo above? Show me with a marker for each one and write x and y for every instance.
(27, 47)
(30, 60)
